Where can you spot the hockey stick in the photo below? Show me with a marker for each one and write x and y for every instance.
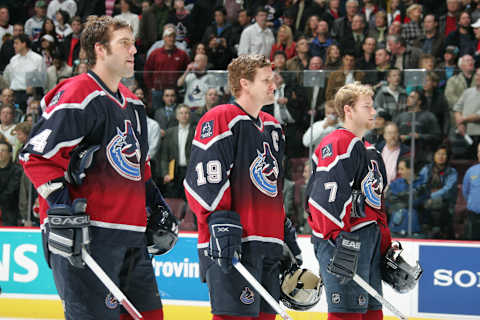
(111, 286)
(260, 289)
(365, 286)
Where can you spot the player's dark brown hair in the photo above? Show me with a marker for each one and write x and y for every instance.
(348, 95)
(244, 67)
(99, 30)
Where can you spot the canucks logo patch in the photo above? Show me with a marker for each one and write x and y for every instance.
(207, 129)
(372, 186)
(247, 296)
(264, 171)
(56, 98)
(110, 301)
(123, 153)
(327, 151)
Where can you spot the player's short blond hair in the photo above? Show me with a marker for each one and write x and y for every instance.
(244, 67)
(348, 95)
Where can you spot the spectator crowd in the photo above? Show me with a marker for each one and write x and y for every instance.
(421, 57)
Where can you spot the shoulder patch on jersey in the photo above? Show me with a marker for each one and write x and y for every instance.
(56, 98)
(264, 171)
(327, 151)
(207, 129)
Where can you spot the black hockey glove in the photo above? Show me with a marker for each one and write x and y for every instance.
(225, 238)
(162, 230)
(69, 231)
(81, 158)
(345, 257)
(291, 241)
(358, 204)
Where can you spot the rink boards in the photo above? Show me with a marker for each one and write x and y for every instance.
(448, 289)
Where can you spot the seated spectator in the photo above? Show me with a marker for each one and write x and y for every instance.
(392, 150)
(320, 129)
(463, 37)
(315, 96)
(343, 25)
(33, 26)
(62, 26)
(441, 183)
(366, 61)
(392, 97)
(58, 69)
(404, 56)
(412, 31)
(166, 114)
(457, 84)
(427, 130)
(7, 124)
(471, 190)
(343, 76)
(431, 41)
(10, 174)
(218, 53)
(353, 39)
(284, 42)
(378, 77)
(196, 81)
(333, 60)
(279, 62)
(220, 27)
(376, 135)
(320, 44)
(467, 115)
(34, 110)
(447, 68)
(311, 27)
(397, 201)
(71, 43)
(300, 61)
(379, 30)
(436, 102)
(211, 100)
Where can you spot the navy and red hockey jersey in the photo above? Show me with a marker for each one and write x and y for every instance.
(82, 110)
(344, 163)
(236, 165)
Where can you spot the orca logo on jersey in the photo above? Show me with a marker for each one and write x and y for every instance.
(247, 296)
(264, 171)
(207, 129)
(123, 153)
(372, 186)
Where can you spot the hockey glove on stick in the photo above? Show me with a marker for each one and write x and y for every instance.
(290, 236)
(225, 238)
(345, 257)
(69, 230)
(162, 230)
(81, 158)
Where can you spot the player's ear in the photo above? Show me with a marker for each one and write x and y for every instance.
(99, 50)
(244, 83)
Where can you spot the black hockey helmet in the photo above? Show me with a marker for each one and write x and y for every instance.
(300, 289)
(162, 231)
(397, 273)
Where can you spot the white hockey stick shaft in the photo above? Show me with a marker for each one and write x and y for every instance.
(111, 286)
(365, 286)
(260, 289)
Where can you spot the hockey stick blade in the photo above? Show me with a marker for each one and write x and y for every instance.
(371, 291)
(260, 289)
(111, 286)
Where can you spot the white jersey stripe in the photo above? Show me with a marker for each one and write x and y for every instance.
(79, 106)
(204, 245)
(202, 202)
(60, 145)
(340, 156)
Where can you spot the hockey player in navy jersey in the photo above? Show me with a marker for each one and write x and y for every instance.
(234, 185)
(345, 201)
(87, 157)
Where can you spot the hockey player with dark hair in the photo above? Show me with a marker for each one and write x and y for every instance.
(234, 185)
(345, 201)
(87, 157)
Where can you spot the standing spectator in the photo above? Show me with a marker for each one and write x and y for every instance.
(163, 67)
(392, 97)
(180, 17)
(23, 68)
(311, 27)
(166, 114)
(196, 81)
(33, 26)
(367, 59)
(176, 149)
(352, 41)
(62, 26)
(318, 130)
(471, 190)
(5, 27)
(467, 113)
(382, 65)
(463, 37)
(71, 44)
(220, 27)
(8, 51)
(457, 84)
(379, 30)
(342, 26)
(300, 61)
(257, 38)
(392, 150)
(436, 102)
(238, 26)
(182, 45)
(284, 42)
(69, 6)
(404, 56)
(412, 31)
(7, 124)
(441, 181)
(427, 130)
(129, 17)
(343, 76)
(431, 42)
(218, 52)
(448, 22)
(152, 22)
(10, 174)
(375, 136)
(321, 43)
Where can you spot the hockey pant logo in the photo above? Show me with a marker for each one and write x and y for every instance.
(247, 296)
(264, 171)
